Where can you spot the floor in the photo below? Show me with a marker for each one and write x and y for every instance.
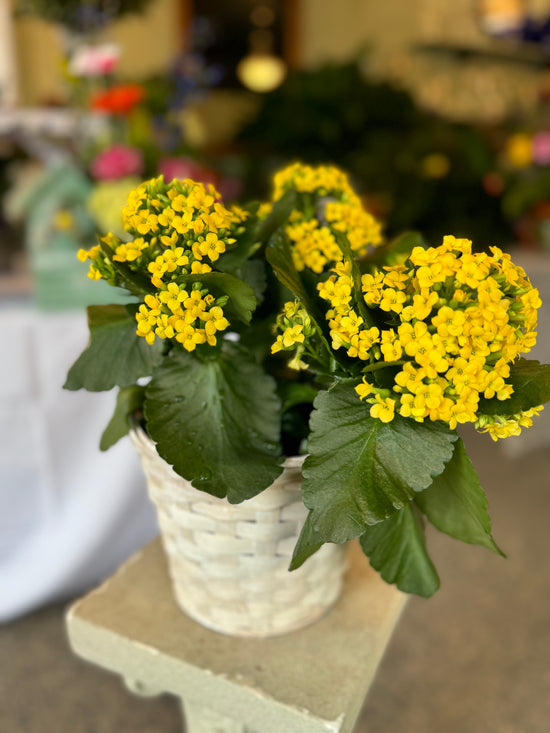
(473, 659)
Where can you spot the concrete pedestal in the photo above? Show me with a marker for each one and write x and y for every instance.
(309, 681)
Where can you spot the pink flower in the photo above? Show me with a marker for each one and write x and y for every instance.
(182, 167)
(90, 61)
(541, 148)
(118, 161)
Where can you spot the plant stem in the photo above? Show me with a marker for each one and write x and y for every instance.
(382, 365)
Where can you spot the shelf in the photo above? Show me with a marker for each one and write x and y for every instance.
(507, 51)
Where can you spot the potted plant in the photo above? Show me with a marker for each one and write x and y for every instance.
(291, 329)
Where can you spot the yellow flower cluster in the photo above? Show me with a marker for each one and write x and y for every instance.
(455, 321)
(295, 328)
(178, 229)
(190, 317)
(327, 205)
(503, 427)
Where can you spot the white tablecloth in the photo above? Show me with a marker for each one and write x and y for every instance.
(69, 513)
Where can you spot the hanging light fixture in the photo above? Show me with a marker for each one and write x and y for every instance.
(501, 17)
(261, 70)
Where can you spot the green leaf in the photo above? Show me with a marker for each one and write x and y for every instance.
(129, 399)
(135, 282)
(116, 355)
(253, 273)
(456, 504)
(233, 259)
(306, 545)
(397, 549)
(296, 393)
(360, 470)
(531, 382)
(216, 421)
(278, 217)
(396, 249)
(242, 300)
(279, 256)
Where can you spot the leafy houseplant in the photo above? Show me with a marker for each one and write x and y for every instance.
(293, 327)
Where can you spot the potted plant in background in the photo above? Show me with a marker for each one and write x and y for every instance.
(260, 335)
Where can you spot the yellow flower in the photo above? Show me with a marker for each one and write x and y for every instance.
(392, 300)
(212, 247)
(364, 389)
(519, 150)
(384, 409)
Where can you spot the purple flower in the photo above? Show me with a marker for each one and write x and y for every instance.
(118, 161)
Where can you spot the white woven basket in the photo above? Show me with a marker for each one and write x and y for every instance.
(229, 562)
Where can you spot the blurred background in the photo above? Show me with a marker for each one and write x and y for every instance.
(440, 113)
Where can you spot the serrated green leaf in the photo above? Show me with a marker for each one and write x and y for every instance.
(359, 470)
(456, 504)
(397, 549)
(129, 399)
(531, 382)
(216, 421)
(306, 545)
(116, 355)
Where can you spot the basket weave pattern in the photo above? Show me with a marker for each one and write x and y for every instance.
(229, 562)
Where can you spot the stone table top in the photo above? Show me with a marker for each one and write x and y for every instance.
(310, 680)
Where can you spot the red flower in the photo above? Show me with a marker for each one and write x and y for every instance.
(118, 100)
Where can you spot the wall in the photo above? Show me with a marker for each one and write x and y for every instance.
(489, 81)
(467, 86)
(150, 41)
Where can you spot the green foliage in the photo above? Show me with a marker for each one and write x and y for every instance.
(223, 409)
(129, 399)
(397, 549)
(278, 216)
(296, 393)
(359, 471)
(307, 544)
(381, 137)
(456, 504)
(394, 251)
(351, 260)
(116, 356)
(531, 382)
(280, 258)
(216, 420)
(135, 282)
(242, 300)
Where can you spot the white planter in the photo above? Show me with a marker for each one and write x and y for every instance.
(229, 562)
